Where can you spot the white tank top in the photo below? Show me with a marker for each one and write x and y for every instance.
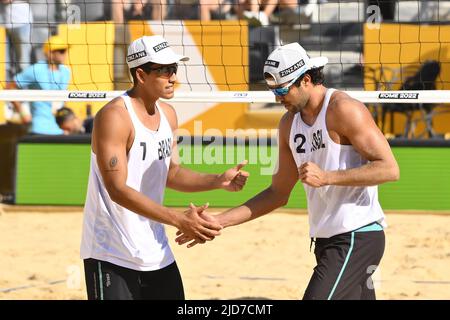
(332, 210)
(115, 234)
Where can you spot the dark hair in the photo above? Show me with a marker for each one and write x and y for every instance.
(316, 75)
(268, 76)
(63, 114)
(146, 67)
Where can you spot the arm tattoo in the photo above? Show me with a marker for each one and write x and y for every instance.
(112, 164)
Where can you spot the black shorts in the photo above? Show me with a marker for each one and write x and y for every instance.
(107, 281)
(345, 263)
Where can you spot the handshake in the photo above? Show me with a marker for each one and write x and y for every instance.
(197, 226)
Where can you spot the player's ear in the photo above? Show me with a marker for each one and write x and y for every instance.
(140, 75)
(306, 80)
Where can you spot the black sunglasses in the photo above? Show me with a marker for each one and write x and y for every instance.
(166, 71)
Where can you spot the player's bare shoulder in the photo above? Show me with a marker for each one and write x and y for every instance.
(343, 108)
(347, 117)
(112, 117)
(115, 107)
(340, 101)
(113, 110)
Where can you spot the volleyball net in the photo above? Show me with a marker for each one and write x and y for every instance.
(380, 52)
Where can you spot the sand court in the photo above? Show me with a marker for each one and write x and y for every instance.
(268, 258)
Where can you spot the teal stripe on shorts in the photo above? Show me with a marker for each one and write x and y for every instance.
(100, 280)
(371, 227)
(352, 242)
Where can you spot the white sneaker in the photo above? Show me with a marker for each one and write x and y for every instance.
(263, 18)
(249, 14)
(252, 18)
(256, 18)
(308, 10)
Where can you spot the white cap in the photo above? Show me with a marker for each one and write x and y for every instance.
(151, 49)
(290, 61)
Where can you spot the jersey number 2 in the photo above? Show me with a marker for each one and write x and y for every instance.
(300, 148)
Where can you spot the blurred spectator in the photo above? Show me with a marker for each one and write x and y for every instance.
(259, 12)
(71, 124)
(51, 74)
(255, 13)
(16, 17)
(117, 12)
(185, 9)
(13, 116)
(292, 11)
(214, 8)
(139, 10)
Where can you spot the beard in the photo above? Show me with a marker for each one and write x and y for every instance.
(301, 104)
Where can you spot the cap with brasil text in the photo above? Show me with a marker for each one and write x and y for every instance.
(151, 49)
(290, 61)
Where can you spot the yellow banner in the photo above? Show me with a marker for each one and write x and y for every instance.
(395, 52)
(218, 52)
(91, 60)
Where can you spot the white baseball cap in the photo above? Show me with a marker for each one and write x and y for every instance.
(289, 62)
(154, 49)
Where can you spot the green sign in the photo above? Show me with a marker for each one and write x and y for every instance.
(57, 174)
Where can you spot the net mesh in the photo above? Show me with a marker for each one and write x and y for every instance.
(371, 46)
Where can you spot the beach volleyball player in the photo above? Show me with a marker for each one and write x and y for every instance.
(329, 142)
(133, 158)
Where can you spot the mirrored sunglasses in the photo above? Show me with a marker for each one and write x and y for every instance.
(280, 92)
